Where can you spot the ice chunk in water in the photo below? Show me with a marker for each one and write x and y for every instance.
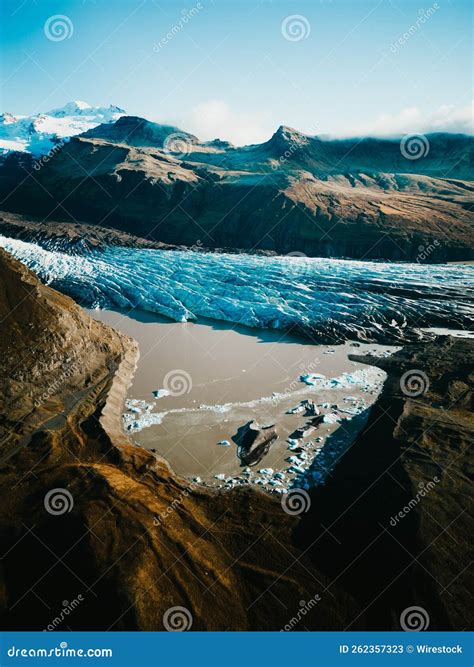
(159, 393)
(312, 378)
(331, 419)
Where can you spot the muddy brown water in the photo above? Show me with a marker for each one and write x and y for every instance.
(222, 376)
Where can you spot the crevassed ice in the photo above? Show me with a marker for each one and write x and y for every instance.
(326, 299)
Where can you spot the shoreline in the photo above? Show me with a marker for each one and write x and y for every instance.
(196, 430)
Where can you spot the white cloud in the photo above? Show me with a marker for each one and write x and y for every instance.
(447, 118)
(214, 119)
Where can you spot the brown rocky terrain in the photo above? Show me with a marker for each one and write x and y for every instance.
(137, 539)
(397, 513)
(70, 237)
(358, 198)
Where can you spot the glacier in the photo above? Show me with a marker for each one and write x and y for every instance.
(326, 300)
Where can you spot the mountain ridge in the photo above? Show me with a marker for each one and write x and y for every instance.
(358, 198)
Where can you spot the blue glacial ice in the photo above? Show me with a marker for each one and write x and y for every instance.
(328, 300)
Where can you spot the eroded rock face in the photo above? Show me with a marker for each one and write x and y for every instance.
(393, 522)
(254, 442)
(72, 238)
(86, 513)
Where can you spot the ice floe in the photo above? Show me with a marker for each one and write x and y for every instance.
(362, 377)
(159, 393)
(305, 407)
(330, 418)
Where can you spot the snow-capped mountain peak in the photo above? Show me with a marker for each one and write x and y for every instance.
(75, 108)
(38, 133)
(7, 118)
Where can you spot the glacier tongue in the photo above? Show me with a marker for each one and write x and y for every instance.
(327, 300)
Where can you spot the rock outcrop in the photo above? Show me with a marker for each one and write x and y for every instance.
(254, 441)
(393, 524)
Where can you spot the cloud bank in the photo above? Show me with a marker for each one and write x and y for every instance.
(447, 118)
(216, 119)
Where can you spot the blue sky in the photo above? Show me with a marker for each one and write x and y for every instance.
(229, 70)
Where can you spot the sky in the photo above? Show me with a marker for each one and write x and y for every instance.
(237, 69)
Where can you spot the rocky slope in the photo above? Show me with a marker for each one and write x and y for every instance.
(70, 237)
(393, 525)
(79, 238)
(359, 198)
(137, 540)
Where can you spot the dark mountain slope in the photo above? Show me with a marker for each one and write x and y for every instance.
(343, 198)
(399, 505)
(135, 131)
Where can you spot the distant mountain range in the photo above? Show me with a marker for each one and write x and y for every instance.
(368, 198)
(37, 134)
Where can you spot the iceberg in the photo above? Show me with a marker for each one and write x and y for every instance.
(331, 419)
(159, 393)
